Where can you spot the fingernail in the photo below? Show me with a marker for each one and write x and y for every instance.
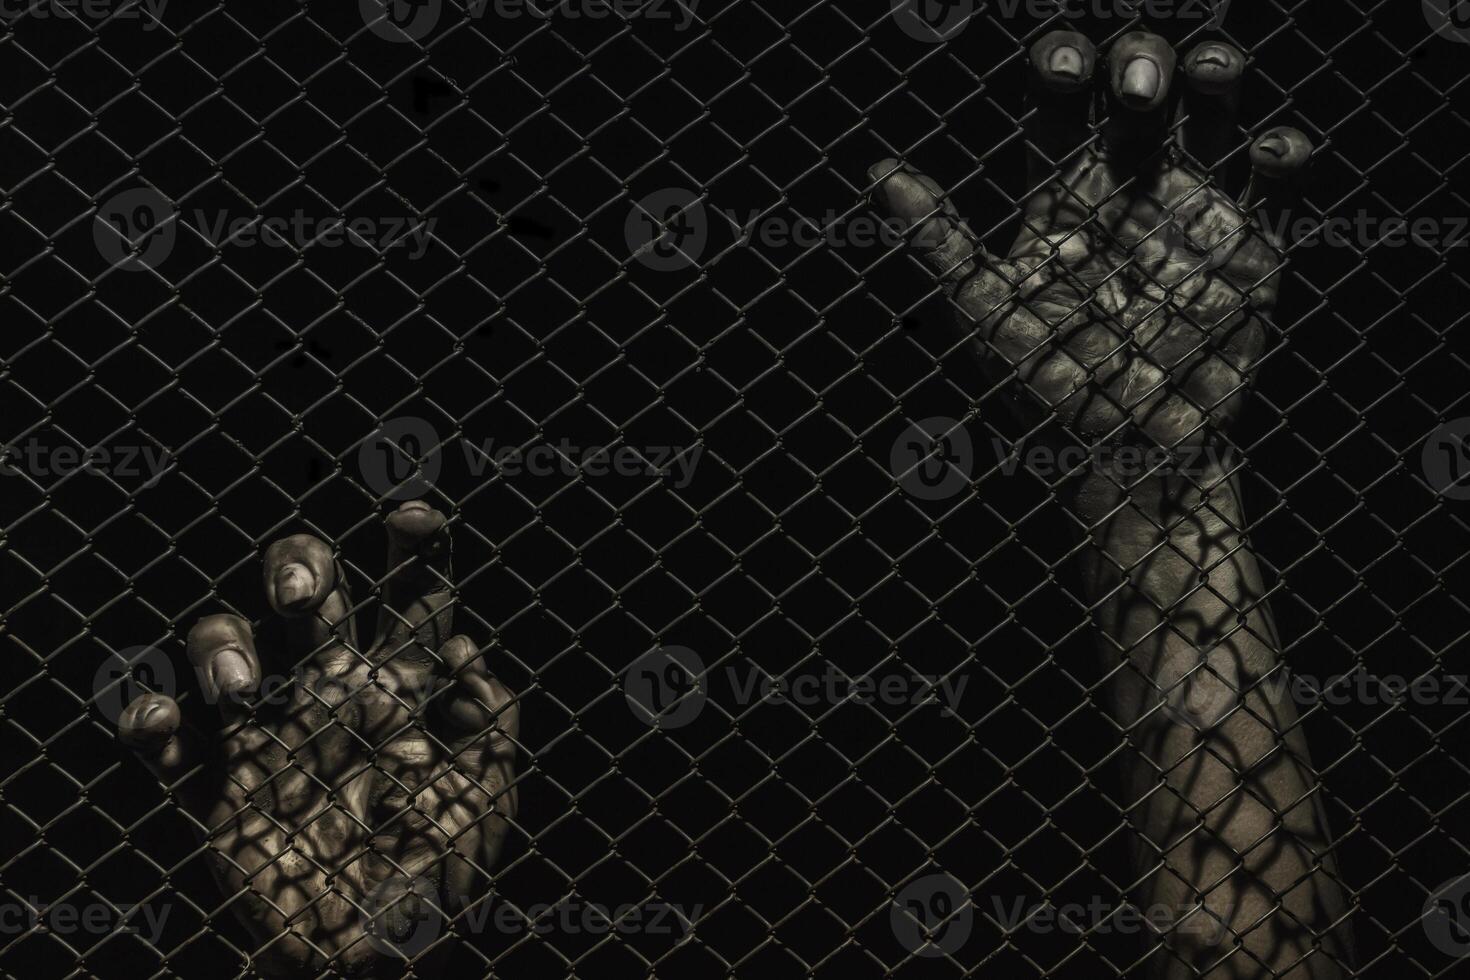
(1067, 62)
(152, 724)
(150, 710)
(1141, 80)
(882, 169)
(1213, 55)
(231, 672)
(294, 584)
(1275, 145)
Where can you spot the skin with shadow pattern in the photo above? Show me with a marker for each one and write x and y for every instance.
(1132, 311)
(349, 813)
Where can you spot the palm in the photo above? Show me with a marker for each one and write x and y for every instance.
(358, 803)
(1130, 304)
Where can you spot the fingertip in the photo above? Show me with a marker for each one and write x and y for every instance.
(413, 523)
(299, 574)
(1064, 61)
(476, 700)
(904, 195)
(1141, 66)
(883, 169)
(1214, 67)
(149, 722)
(211, 632)
(1281, 152)
(222, 651)
(459, 653)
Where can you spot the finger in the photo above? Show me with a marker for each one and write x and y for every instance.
(417, 612)
(222, 651)
(306, 587)
(149, 725)
(1140, 69)
(484, 719)
(931, 225)
(475, 701)
(1211, 104)
(1279, 157)
(1058, 102)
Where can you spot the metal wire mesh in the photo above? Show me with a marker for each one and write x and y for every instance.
(787, 599)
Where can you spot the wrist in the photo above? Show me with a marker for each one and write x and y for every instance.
(1160, 487)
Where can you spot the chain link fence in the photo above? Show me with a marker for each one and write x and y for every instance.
(787, 599)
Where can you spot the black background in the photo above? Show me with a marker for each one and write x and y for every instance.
(263, 371)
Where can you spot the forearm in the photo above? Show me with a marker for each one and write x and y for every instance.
(1218, 780)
